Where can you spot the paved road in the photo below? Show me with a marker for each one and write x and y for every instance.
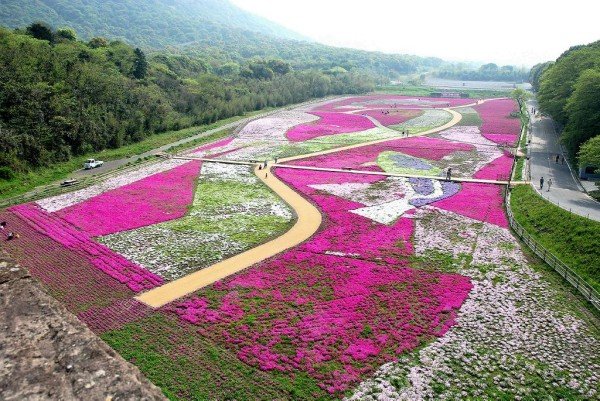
(110, 165)
(566, 191)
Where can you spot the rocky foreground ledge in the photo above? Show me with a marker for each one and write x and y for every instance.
(46, 353)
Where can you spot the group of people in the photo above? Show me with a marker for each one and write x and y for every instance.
(10, 235)
(542, 184)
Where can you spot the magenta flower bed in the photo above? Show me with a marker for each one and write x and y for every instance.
(349, 233)
(69, 276)
(508, 139)
(115, 316)
(336, 319)
(498, 126)
(100, 256)
(498, 169)
(481, 202)
(329, 124)
(389, 117)
(422, 147)
(157, 198)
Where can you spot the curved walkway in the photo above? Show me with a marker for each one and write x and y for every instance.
(308, 222)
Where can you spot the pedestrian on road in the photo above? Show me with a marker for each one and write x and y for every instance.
(549, 184)
(266, 175)
(541, 183)
(557, 158)
(562, 160)
(449, 174)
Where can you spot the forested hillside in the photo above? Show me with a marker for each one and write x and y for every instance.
(569, 90)
(486, 72)
(143, 23)
(61, 97)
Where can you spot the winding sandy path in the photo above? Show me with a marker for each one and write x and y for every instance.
(308, 222)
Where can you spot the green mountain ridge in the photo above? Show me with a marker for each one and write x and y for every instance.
(148, 24)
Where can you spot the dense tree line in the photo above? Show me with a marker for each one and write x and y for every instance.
(61, 97)
(536, 72)
(214, 30)
(486, 72)
(569, 91)
(146, 23)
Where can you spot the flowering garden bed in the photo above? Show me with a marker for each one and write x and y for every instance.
(413, 288)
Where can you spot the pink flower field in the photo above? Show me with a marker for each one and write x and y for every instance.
(157, 198)
(80, 243)
(389, 101)
(422, 147)
(498, 126)
(412, 288)
(329, 124)
(390, 117)
(336, 307)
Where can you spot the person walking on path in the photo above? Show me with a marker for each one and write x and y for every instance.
(541, 183)
(557, 158)
(449, 174)
(549, 184)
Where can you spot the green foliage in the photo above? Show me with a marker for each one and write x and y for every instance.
(140, 65)
(486, 72)
(41, 31)
(571, 238)
(67, 99)
(589, 153)
(568, 91)
(188, 366)
(536, 72)
(66, 34)
(583, 109)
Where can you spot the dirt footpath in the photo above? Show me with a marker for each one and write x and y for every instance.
(46, 353)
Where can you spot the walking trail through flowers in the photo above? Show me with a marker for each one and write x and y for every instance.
(321, 253)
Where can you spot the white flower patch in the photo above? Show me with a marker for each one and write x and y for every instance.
(514, 331)
(59, 202)
(342, 254)
(252, 208)
(497, 245)
(164, 252)
(227, 172)
(260, 138)
(429, 119)
(466, 110)
(385, 200)
(486, 149)
(444, 231)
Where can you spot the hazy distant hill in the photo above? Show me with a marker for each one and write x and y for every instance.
(145, 23)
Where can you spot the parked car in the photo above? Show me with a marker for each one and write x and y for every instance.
(92, 163)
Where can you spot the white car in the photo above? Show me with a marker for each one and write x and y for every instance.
(92, 163)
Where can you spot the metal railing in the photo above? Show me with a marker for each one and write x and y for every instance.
(565, 271)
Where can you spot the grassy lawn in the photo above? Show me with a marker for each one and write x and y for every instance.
(571, 238)
(25, 182)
